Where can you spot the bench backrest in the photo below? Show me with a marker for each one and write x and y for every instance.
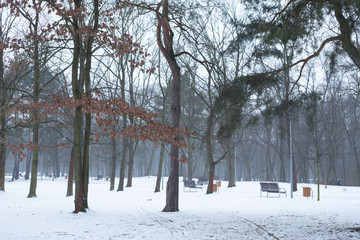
(269, 187)
(189, 183)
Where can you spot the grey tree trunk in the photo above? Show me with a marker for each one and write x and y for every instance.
(2, 112)
(209, 153)
(27, 165)
(131, 142)
(166, 47)
(126, 139)
(113, 164)
(189, 164)
(160, 168)
(70, 175)
(131, 163)
(36, 95)
(15, 175)
(231, 161)
(123, 158)
(2, 151)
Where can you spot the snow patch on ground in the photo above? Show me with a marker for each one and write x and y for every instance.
(233, 213)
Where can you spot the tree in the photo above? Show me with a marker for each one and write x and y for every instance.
(7, 87)
(165, 38)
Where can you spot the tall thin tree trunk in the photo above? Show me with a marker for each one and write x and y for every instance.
(2, 112)
(113, 164)
(131, 163)
(150, 163)
(77, 93)
(70, 175)
(57, 165)
(27, 165)
(86, 157)
(125, 124)
(209, 153)
(282, 176)
(166, 47)
(231, 161)
(160, 168)
(123, 158)
(190, 164)
(131, 142)
(36, 93)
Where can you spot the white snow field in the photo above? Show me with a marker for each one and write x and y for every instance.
(233, 213)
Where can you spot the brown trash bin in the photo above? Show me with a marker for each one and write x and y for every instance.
(307, 192)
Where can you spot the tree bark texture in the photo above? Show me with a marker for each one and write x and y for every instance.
(36, 95)
(209, 153)
(123, 158)
(113, 164)
(70, 175)
(165, 42)
(160, 168)
(131, 142)
(131, 163)
(77, 94)
(2, 115)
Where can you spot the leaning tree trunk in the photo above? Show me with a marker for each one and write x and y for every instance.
(166, 47)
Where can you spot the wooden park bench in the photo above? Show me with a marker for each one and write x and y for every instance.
(191, 184)
(271, 188)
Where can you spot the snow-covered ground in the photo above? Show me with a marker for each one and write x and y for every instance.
(233, 213)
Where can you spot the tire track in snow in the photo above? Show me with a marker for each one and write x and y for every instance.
(175, 231)
(258, 228)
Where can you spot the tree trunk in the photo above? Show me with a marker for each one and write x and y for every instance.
(190, 164)
(172, 187)
(282, 176)
(150, 163)
(346, 29)
(36, 93)
(131, 163)
(15, 175)
(160, 168)
(71, 175)
(209, 153)
(35, 161)
(131, 142)
(210, 188)
(123, 160)
(113, 164)
(77, 93)
(57, 165)
(28, 163)
(86, 156)
(78, 170)
(318, 171)
(231, 161)
(2, 112)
